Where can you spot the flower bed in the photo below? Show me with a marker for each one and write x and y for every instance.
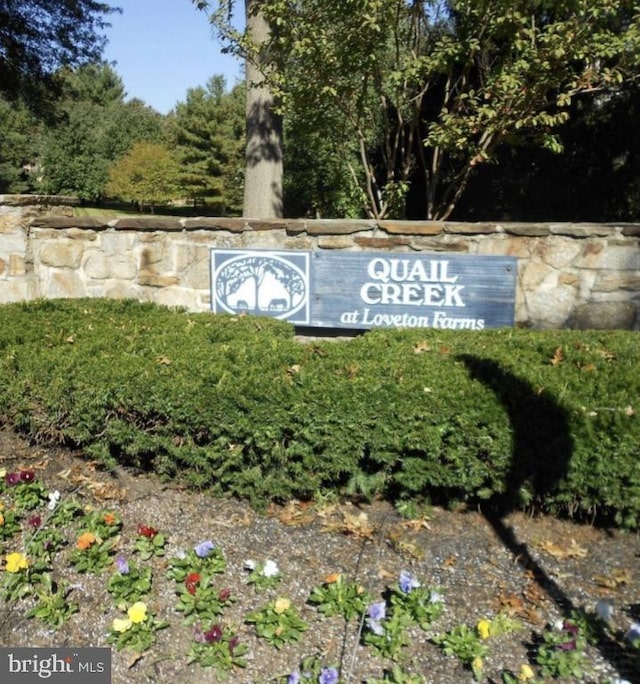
(55, 545)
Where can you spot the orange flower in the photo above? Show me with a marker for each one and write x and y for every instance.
(110, 519)
(332, 578)
(85, 540)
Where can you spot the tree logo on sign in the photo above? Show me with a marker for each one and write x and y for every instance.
(264, 284)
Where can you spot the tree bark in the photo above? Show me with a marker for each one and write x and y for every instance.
(263, 173)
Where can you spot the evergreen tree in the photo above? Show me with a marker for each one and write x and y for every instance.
(92, 127)
(18, 147)
(208, 130)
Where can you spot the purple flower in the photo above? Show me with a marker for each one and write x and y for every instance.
(204, 549)
(568, 645)
(293, 678)
(27, 475)
(34, 521)
(328, 675)
(122, 565)
(12, 479)
(213, 635)
(232, 643)
(572, 631)
(408, 582)
(633, 634)
(377, 611)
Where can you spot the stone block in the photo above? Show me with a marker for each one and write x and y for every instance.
(613, 281)
(604, 316)
(233, 225)
(582, 230)
(381, 243)
(61, 253)
(412, 227)
(146, 224)
(145, 279)
(336, 242)
(334, 227)
(526, 229)
(472, 228)
(63, 285)
(17, 265)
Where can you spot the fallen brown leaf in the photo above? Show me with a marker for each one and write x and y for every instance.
(293, 513)
(561, 553)
(616, 578)
(355, 524)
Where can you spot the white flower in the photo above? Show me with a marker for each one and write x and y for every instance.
(54, 497)
(249, 565)
(270, 569)
(436, 597)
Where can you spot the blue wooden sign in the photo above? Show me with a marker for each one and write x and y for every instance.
(363, 290)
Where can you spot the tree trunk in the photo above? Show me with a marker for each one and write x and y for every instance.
(263, 174)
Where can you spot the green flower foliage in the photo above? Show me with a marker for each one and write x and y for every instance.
(540, 420)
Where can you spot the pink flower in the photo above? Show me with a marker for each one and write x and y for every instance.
(224, 594)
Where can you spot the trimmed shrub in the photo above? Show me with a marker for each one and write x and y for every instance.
(544, 420)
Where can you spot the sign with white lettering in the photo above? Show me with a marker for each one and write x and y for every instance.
(362, 290)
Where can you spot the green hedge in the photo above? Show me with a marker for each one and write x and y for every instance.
(544, 420)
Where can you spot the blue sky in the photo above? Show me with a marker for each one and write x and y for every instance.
(164, 47)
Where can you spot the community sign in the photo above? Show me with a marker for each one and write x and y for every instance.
(363, 290)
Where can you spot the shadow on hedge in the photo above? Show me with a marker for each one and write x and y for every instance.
(542, 449)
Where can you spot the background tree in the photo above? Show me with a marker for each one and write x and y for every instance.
(209, 133)
(317, 175)
(596, 178)
(38, 37)
(263, 193)
(18, 147)
(91, 127)
(429, 90)
(148, 175)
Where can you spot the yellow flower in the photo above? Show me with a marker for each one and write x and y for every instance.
(138, 612)
(3, 472)
(1, 520)
(484, 628)
(121, 624)
(281, 605)
(16, 562)
(525, 673)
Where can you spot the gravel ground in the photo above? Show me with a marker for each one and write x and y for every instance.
(534, 569)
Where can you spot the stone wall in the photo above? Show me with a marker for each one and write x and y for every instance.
(569, 275)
